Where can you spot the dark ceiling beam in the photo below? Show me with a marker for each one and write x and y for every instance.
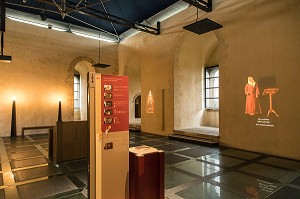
(59, 13)
(201, 4)
(115, 19)
(88, 11)
(63, 8)
(113, 26)
(2, 16)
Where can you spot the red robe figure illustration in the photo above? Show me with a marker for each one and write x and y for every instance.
(252, 101)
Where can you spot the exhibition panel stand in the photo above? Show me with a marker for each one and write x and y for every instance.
(108, 120)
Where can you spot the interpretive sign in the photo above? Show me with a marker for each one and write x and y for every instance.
(114, 101)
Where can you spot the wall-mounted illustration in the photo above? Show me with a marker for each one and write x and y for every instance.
(150, 103)
(261, 106)
(270, 92)
(252, 101)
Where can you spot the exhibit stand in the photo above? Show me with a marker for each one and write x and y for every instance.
(108, 120)
(146, 170)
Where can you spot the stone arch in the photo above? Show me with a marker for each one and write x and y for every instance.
(134, 97)
(73, 64)
(83, 65)
(191, 56)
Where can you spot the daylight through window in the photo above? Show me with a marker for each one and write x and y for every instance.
(212, 87)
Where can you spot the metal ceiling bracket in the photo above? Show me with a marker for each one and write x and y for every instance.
(201, 4)
(88, 11)
(2, 16)
(63, 9)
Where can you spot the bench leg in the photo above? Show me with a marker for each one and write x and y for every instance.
(50, 142)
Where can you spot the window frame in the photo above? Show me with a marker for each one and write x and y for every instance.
(207, 88)
(138, 109)
(78, 77)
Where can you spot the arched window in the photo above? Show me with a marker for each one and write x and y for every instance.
(76, 90)
(137, 106)
(212, 87)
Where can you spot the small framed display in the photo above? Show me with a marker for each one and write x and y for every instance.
(108, 112)
(107, 87)
(107, 95)
(108, 120)
(107, 103)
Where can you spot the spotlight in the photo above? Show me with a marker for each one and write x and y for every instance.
(43, 15)
(5, 58)
(99, 65)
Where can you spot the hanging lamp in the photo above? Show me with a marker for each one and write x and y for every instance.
(100, 65)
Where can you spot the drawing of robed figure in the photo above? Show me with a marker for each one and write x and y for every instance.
(252, 101)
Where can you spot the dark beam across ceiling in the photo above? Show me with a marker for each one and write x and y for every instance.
(91, 12)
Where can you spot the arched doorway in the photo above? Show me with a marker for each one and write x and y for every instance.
(138, 106)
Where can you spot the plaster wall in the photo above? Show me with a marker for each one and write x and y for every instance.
(156, 59)
(133, 71)
(191, 57)
(42, 72)
(259, 39)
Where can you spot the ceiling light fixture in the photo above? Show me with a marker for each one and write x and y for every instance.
(93, 37)
(4, 58)
(59, 29)
(28, 22)
(203, 26)
(43, 15)
(100, 65)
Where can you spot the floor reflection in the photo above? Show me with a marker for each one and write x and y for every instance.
(191, 171)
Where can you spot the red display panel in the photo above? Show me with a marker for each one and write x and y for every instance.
(114, 102)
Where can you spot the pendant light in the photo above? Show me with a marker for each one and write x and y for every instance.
(100, 65)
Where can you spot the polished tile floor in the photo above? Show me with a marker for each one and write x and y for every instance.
(191, 171)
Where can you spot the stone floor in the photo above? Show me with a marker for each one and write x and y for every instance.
(191, 171)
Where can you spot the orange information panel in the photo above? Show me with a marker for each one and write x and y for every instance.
(115, 106)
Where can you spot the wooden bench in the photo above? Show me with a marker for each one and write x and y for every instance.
(36, 127)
